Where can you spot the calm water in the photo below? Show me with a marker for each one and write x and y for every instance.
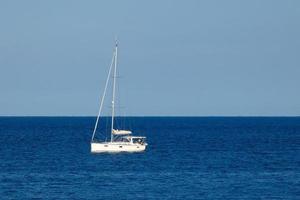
(187, 158)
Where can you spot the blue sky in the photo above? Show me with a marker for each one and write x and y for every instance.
(195, 58)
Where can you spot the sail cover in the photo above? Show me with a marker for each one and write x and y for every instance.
(120, 132)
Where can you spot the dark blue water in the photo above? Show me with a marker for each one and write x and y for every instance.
(187, 158)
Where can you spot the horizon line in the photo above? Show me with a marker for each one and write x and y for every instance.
(152, 116)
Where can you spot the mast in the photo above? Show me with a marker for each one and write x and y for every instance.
(114, 91)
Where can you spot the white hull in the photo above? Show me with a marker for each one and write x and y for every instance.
(102, 147)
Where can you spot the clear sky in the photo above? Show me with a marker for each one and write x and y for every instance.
(206, 58)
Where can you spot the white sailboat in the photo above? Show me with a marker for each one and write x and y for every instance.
(120, 140)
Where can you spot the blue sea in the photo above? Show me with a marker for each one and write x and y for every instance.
(187, 158)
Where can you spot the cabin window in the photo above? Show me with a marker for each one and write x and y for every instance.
(106, 145)
(120, 146)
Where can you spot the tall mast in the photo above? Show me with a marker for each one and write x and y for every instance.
(114, 91)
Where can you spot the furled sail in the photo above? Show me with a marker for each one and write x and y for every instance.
(120, 132)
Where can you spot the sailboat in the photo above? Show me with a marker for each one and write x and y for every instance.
(120, 140)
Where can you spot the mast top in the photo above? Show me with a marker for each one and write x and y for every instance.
(116, 41)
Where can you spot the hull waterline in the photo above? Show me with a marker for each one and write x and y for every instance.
(116, 147)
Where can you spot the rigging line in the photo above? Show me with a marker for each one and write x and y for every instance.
(104, 93)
